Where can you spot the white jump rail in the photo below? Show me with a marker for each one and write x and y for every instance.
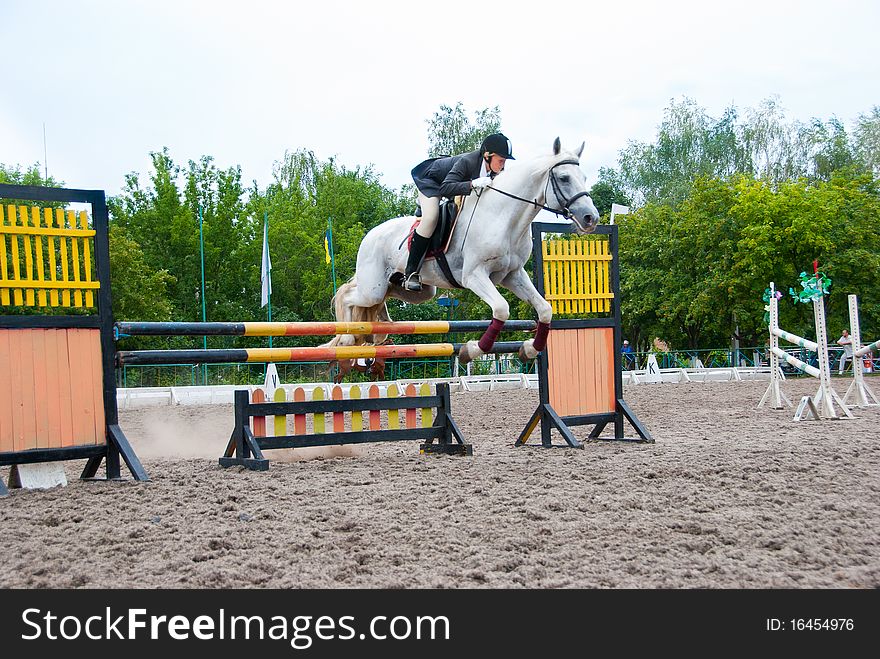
(826, 398)
(858, 390)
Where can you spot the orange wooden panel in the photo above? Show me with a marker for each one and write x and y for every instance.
(42, 401)
(86, 387)
(81, 421)
(65, 394)
(94, 342)
(375, 415)
(299, 420)
(338, 417)
(23, 381)
(52, 395)
(581, 371)
(94, 337)
(52, 385)
(6, 436)
(258, 423)
(410, 421)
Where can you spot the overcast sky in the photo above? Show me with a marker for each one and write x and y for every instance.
(245, 81)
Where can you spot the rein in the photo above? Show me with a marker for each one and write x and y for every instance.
(564, 211)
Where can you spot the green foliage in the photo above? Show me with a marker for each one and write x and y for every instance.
(31, 176)
(866, 138)
(451, 132)
(691, 144)
(139, 292)
(690, 273)
(720, 207)
(608, 189)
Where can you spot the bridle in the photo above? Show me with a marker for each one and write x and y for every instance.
(565, 211)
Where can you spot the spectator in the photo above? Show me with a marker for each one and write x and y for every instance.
(660, 345)
(869, 363)
(846, 342)
(627, 352)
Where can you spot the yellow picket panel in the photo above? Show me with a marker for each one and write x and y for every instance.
(74, 255)
(576, 275)
(393, 415)
(65, 273)
(32, 242)
(427, 412)
(4, 264)
(280, 419)
(87, 257)
(318, 417)
(53, 266)
(357, 417)
(38, 253)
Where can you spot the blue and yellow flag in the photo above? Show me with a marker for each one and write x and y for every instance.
(327, 244)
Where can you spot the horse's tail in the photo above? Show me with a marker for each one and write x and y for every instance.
(349, 313)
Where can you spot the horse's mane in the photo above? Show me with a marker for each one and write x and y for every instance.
(532, 167)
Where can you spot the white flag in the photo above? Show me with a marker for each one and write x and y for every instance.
(266, 271)
(618, 209)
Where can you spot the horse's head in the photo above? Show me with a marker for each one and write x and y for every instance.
(567, 189)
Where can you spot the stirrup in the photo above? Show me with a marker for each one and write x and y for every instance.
(413, 282)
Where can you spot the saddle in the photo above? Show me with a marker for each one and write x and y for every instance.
(442, 233)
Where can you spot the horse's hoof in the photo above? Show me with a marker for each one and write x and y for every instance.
(469, 352)
(527, 351)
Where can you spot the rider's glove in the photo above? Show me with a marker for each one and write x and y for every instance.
(481, 182)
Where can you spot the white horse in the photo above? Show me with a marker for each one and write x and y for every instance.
(489, 247)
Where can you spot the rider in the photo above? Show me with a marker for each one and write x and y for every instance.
(450, 176)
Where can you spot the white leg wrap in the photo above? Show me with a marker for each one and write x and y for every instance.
(528, 349)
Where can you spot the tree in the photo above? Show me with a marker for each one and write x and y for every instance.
(450, 131)
(689, 144)
(12, 175)
(139, 292)
(867, 140)
(608, 190)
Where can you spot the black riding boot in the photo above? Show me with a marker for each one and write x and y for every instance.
(412, 281)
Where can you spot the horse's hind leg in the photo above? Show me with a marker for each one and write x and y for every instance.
(355, 304)
(519, 283)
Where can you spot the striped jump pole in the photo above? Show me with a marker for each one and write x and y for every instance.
(299, 354)
(824, 401)
(861, 393)
(124, 329)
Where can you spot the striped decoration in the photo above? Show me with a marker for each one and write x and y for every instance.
(577, 275)
(355, 421)
(46, 258)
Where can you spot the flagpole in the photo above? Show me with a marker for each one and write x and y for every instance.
(332, 255)
(266, 247)
(204, 314)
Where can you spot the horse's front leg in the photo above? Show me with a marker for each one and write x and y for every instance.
(519, 283)
(479, 283)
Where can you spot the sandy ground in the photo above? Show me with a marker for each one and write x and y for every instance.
(728, 497)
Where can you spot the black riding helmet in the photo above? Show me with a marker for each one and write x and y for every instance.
(498, 144)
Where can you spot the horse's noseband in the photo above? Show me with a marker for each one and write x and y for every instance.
(557, 191)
